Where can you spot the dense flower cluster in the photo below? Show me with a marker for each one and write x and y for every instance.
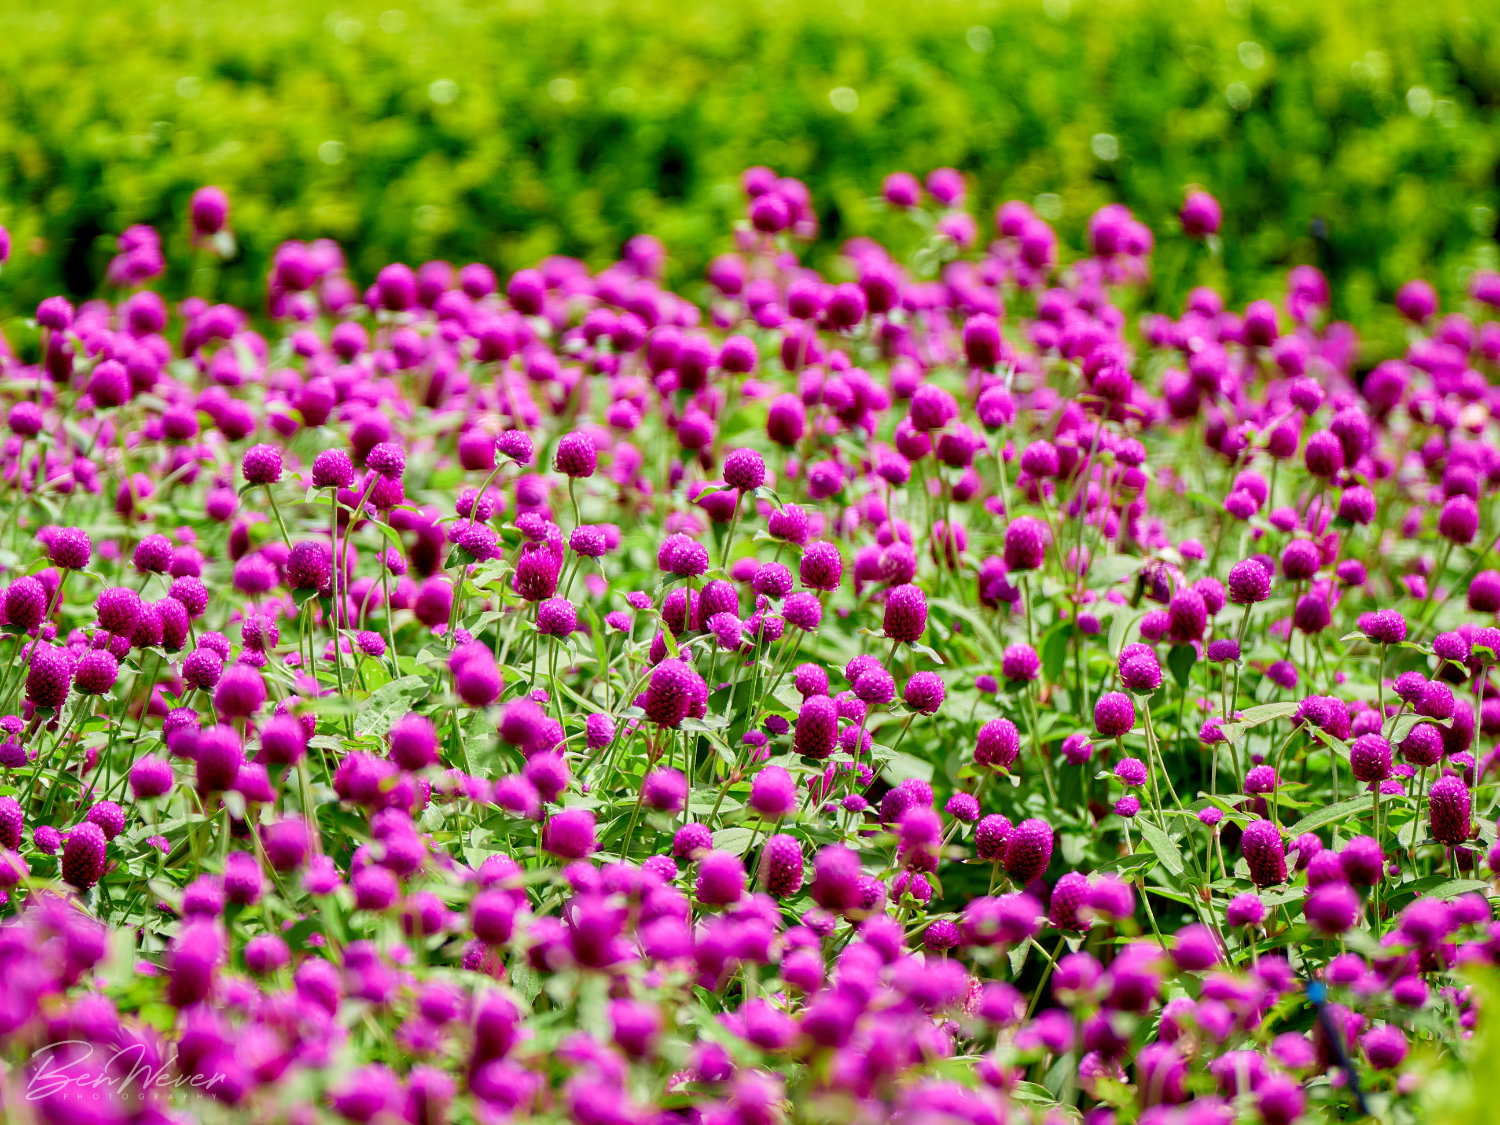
(925, 694)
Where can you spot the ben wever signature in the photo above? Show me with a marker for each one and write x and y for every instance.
(122, 1070)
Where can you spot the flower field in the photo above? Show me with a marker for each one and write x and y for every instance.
(944, 688)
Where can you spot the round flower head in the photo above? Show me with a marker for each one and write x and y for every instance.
(664, 789)
(721, 879)
(1264, 853)
(1020, 663)
(388, 459)
(261, 465)
(670, 692)
(556, 617)
(1028, 851)
(1332, 908)
(1249, 582)
(70, 548)
(1025, 543)
(1140, 673)
(924, 693)
(1245, 910)
(96, 672)
(1458, 522)
(1201, 215)
(816, 733)
(1450, 808)
(1114, 714)
(83, 855)
(1484, 592)
(49, 676)
(1370, 758)
(744, 470)
(823, 569)
(999, 744)
(569, 834)
(781, 866)
(25, 603)
(515, 444)
(575, 456)
(905, 614)
(332, 468)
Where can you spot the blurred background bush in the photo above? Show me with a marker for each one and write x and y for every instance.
(1358, 136)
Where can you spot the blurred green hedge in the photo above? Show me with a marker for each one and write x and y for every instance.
(1358, 136)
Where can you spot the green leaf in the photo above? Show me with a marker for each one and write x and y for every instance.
(1119, 628)
(1330, 814)
(1180, 661)
(1055, 650)
(1130, 866)
(1163, 846)
(1265, 712)
(386, 704)
(733, 840)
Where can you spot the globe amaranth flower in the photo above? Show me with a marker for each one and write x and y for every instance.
(1114, 714)
(1019, 663)
(1264, 853)
(1025, 543)
(905, 614)
(999, 744)
(1249, 582)
(576, 456)
(924, 692)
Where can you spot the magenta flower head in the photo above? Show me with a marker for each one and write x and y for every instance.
(49, 677)
(773, 793)
(1019, 663)
(556, 617)
(1114, 714)
(924, 692)
(1201, 215)
(1370, 758)
(1249, 582)
(1025, 543)
(905, 614)
(1417, 300)
(208, 210)
(1332, 908)
(1264, 853)
(96, 672)
(83, 855)
(836, 879)
(25, 603)
(1383, 626)
(664, 789)
(1450, 808)
(822, 568)
(781, 864)
(1028, 851)
(999, 744)
(70, 548)
(261, 464)
(671, 692)
(569, 834)
(1458, 522)
(745, 470)
(721, 879)
(817, 727)
(332, 468)
(413, 742)
(576, 456)
(240, 692)
(515, 444)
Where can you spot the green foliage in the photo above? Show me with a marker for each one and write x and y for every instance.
(1357, 136)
